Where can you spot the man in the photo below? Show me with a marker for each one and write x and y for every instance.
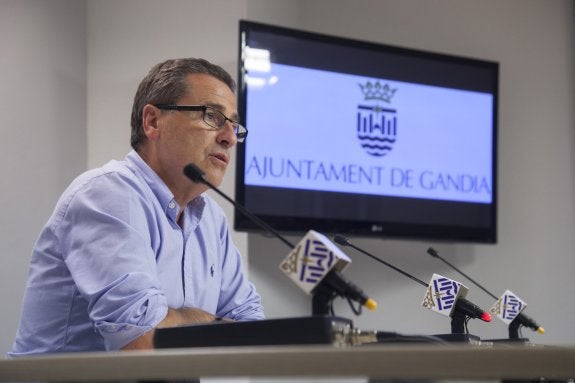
(135, 245)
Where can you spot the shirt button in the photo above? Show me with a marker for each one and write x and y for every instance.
(172, 205)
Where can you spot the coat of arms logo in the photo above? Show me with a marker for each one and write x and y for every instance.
(376, 124)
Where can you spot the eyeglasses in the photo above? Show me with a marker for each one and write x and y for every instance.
(212, 117)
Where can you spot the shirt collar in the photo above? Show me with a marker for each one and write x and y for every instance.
(163, 194)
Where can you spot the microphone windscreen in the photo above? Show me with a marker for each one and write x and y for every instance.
(194, 173)
(340, 239)
(431, 251)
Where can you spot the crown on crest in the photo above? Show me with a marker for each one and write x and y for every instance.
(376, 91)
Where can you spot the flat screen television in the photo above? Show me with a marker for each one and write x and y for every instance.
(365, 139)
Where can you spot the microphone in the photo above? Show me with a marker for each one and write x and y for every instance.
(197, 176)
(324, 279)
(347, 289)
(472, 310)
(520, 320)
(461, 307)
(345, 242)
(524, 320)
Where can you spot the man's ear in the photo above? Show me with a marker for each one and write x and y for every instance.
(150, 122)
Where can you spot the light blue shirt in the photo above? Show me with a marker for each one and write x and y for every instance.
(112, 259)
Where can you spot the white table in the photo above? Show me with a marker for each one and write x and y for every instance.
(377, 361)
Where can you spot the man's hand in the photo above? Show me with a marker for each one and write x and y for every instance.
(188, 315)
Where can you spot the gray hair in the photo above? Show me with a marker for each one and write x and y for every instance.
(166, 84)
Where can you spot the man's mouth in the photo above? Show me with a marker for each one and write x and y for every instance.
(222, 157)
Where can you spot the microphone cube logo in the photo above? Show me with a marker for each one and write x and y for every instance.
(442, 293)
(310, 261)
(507, 307)
(376, 125)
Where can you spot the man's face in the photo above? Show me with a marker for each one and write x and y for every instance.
(184, 137)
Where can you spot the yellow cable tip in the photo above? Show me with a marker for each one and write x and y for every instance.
(370, 304)
(541, 330)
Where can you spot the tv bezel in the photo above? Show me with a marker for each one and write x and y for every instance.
(382, 229)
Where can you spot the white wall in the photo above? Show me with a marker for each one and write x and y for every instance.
(42, 130)
(532, 39)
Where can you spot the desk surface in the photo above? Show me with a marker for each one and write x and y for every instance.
(380, 361)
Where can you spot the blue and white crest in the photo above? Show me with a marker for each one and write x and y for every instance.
(312, 259)
(376, 125)
(508, 307)
(442, 293)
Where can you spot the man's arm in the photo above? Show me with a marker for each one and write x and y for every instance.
(188, 315)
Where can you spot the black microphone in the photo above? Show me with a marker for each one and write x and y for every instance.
(345, 288)
(334, 281)
(462, 305)
(472, 310)
(520, 319)
(340, 239)
(524, 320)
(197, 176)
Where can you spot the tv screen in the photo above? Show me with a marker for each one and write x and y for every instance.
(365, 139)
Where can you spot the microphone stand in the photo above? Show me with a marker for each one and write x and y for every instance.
(513, 329)
(322, 299)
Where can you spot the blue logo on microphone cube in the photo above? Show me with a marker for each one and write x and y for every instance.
(442, 293)
(507, 307)
(312, 258)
